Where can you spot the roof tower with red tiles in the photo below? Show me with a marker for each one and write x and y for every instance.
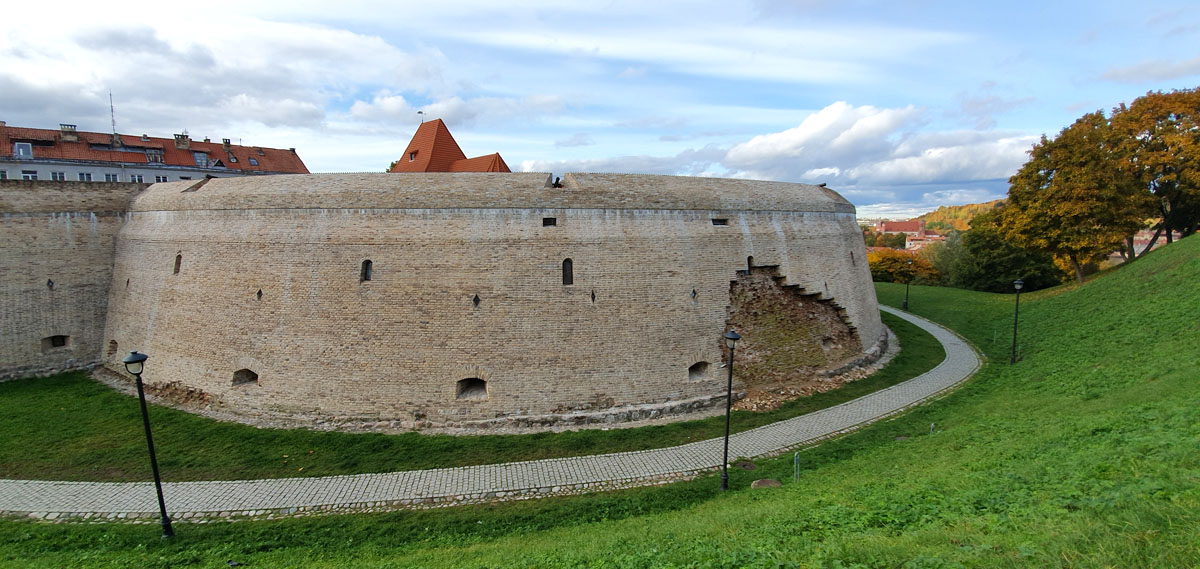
(433, 149)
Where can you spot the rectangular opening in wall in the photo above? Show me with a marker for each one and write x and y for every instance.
(53, 342)
(549, 222)
(720, 221)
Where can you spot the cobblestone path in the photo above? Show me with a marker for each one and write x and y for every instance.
(201, 501)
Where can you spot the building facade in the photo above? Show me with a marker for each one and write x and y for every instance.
(67, 154)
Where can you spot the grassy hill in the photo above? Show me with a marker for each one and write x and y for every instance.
(1086, 453)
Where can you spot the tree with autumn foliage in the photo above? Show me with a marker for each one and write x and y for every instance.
(1074, 199)
(1159, 139)
(896, 266)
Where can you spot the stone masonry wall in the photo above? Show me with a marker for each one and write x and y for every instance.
(652, 259)
(60, 232)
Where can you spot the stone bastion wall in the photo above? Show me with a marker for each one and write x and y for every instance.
(56, 258)
(474, 300)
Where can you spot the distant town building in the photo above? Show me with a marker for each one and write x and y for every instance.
(917, 236)
(67, 154)
(433, 149)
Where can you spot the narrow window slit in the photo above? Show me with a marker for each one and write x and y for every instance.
(568, 272)
(365, 274)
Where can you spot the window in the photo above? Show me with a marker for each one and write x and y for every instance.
(3, 174)
(412, 155)
(720, 221)
(51, 342)
(471, 389)
(154, 155)
(23, 149)
(85, 176)
(201, 159)
(185, 177)
(244, 377)
(178, 263)
(568, 272)
(28, 174)
(112, 178)
(254, 161)
(549, 222)
(135, 178)
(58, 176)
(160, 179)
(365, 274)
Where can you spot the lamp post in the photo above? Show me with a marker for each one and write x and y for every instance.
(1017, 284)
(133, 364)
(731, 339)
(908, 279)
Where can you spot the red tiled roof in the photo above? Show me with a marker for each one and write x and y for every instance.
(433, 149)
(50, 145)
(912, 225)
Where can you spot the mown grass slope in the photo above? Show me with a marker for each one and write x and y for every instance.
(1084, 454)
(70, 428)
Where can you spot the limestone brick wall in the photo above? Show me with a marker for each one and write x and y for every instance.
(61, 233)
(652, 259)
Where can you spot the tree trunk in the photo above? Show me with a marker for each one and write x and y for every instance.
(1078, 268)
(1153, 240)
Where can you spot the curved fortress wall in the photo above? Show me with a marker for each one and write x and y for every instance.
(56, 257)
(251, 293)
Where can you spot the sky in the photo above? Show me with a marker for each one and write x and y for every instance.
(899, 106)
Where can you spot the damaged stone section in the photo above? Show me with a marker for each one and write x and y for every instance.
(793, 340)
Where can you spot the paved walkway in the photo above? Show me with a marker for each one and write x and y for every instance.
(518, 480)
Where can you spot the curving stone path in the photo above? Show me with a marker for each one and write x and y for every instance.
(201, 501)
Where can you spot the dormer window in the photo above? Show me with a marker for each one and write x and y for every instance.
(412, 156)
(201, 159)
(254, 161)
(23, 149)
(154, 155)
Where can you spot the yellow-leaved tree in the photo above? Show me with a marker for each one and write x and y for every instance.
(1073, 198)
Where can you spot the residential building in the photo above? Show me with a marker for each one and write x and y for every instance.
(68, 154)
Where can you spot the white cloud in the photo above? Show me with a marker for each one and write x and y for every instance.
(1153, 70)
(691, 162)
(578, 139)
(851, 145)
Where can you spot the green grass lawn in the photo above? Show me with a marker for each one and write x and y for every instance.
(1084, 454)
(70, 428)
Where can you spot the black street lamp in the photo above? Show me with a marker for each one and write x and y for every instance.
(133, 364)
(1017, 284)
(731, 339)
(906, 281)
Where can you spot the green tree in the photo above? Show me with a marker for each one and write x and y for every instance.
(982, 259)
(1072, 199)
(1160, 139)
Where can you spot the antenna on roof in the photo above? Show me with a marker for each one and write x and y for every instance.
(112, 112)
(422, 113)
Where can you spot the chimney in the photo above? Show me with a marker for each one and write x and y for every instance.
(292, 149)
(182, 141)
(69, 133)
(225, 144)
(2, 123)
(206, 139)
